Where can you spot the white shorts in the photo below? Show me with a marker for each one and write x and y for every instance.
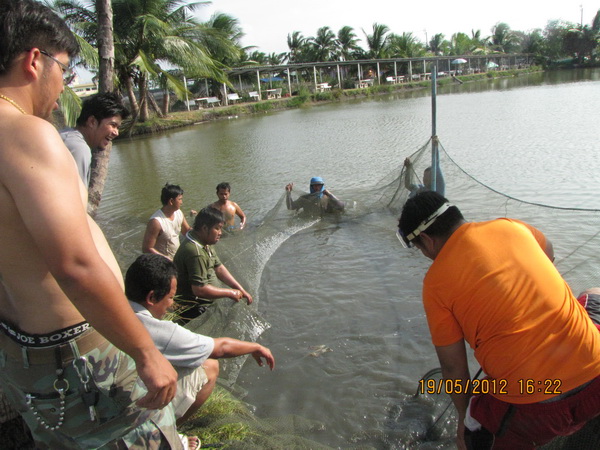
(189, 382)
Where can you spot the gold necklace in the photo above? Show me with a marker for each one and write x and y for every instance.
(12, 102)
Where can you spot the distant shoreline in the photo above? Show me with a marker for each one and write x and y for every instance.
(181, 119)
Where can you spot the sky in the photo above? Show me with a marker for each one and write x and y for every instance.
(266, 23)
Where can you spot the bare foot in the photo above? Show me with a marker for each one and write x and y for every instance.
(193, 442)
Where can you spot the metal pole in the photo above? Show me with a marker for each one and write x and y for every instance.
(434, 139)
(187, 100)
(258, 81)
(289, 82)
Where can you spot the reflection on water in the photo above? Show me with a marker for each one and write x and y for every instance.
(346, 284)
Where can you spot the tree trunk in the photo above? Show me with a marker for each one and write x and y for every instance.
(100, 160)
(153, 104)
(134, 107)
(106, 52)
(166, 100)
(106, 46)
(143, 86)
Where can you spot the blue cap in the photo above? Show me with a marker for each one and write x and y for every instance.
(317, 180)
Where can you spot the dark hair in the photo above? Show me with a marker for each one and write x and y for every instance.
(224, 185)
(102, 106)
(149, 272)
(170, 191)
(418, 208)
(208, 217)
(27, 24)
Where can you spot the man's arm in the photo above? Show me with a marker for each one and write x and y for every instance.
(336, 203)
(288, 197)
(230, 348)
(408, 176)
(453, 360)
(42, 179)
(185, 227)
(210, 292)
(241, 215)
(153, 229)
(225, 276)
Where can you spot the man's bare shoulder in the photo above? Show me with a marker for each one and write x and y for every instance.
(23, 137)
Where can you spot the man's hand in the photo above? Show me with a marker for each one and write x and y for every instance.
(289, 187)
(247, 296)
(160, 379)
(235, 294)
(264, 352)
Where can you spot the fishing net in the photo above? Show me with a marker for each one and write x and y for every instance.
(423, 420)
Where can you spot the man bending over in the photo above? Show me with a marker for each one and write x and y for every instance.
(493, 285)
(150, 285)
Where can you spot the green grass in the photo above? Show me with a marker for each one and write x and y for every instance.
(222, 418)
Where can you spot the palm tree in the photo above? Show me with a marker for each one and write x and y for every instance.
(377, 42)
(479, 43)
(438, 45)
(147, 31)
(405, 45)
(461, 44)
(106, 46)
(295, 42)
(346, 43)
(503, 39)
(324, 44)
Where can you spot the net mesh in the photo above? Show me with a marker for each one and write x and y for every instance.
(420, 421)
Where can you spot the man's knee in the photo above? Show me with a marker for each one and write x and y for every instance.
(211, 367)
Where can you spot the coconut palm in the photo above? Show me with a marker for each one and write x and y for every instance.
(479, 43)
(461, 44)
(295, 42)
(346, 43)
(503, 39)
(323, 44)
(438, 45)
(405, 45)
(149, 31)
(377, 41)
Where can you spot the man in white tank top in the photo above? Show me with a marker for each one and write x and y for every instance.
(166, 224)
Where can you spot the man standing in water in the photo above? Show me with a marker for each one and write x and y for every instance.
(58, 277)
(166, 224)
(228, 208)
(318, 201)
(199, 267)
(493, 285)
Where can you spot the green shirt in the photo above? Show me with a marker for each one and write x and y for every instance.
(195, 266)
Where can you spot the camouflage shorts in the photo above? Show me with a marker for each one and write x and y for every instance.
(29, 380)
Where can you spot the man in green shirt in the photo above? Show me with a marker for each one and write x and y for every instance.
(199, 267)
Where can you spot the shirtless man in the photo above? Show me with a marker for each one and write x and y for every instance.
(228, 208)
(57, 270)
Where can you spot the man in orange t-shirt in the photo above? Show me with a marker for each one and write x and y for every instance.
(493, 285)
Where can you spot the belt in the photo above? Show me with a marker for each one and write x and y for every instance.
(85, 343)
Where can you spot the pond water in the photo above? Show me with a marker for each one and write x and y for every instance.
(345, 283)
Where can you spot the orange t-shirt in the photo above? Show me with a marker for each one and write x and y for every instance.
(493, 285)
